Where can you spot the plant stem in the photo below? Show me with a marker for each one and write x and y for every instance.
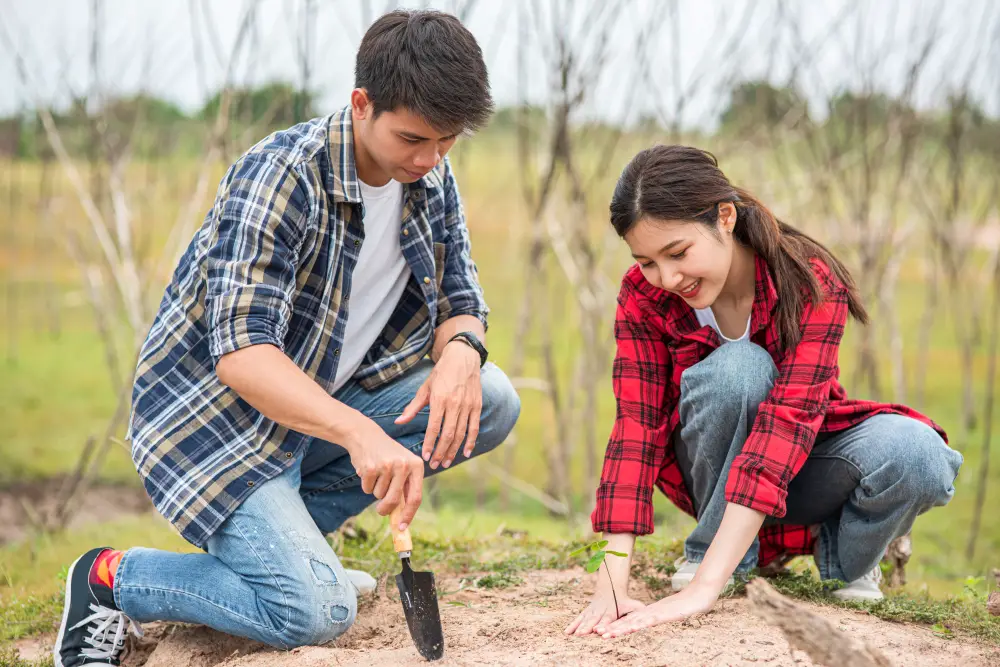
(613, 594)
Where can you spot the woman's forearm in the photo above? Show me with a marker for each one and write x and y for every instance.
(618, 567)
(736, 533)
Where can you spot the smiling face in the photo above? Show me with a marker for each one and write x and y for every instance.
(689, 258)
(397, 145)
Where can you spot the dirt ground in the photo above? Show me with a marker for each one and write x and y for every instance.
(523, 625)
(19, 502)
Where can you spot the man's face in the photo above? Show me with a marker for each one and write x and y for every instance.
(398, 144)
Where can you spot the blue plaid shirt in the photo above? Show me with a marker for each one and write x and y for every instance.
(272, 263)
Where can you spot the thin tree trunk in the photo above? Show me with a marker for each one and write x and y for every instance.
(991, 379)
(926, 324)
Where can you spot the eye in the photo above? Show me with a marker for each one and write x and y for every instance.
(410, 141)
(679, 255)
(645, 265)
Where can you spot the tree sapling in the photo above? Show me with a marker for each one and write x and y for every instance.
(596, 553)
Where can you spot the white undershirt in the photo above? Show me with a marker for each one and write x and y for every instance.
(379, 276)
(707, 318)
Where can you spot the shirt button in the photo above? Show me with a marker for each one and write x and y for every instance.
(250, 483)
(406, 232)
(288, 455)
(357, 243)
(427, 281)
(336, 352)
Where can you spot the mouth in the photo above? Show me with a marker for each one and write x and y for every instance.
(414, 174)
(691, 290)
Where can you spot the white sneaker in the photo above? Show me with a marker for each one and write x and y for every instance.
(363, 582)
(685, 573)
(865, 588)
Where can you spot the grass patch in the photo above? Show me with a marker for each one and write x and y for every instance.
(10, 658)
(965, 612)
(31, 615)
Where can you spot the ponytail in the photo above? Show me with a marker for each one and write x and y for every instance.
(788, 252)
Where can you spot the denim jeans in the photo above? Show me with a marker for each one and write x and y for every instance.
(862, 487)
(269, 573)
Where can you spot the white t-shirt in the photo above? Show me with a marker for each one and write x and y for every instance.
(707, 317)
(379, 276)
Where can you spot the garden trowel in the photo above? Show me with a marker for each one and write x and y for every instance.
(419, 596)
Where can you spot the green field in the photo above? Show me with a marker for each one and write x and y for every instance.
(55, 390)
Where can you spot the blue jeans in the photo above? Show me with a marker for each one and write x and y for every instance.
(863, 487)
(269, 573)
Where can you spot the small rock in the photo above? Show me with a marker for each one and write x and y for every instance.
(749, 657)
(842, 628)
(765, 642)
(607, 649)
(743, 641)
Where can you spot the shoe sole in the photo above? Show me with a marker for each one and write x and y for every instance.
(57, 656)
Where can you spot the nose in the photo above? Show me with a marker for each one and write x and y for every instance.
(670, 279)
(427, 158)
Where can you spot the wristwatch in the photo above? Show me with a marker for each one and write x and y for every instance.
(470, 339)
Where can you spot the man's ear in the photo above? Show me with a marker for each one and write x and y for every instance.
(361, 104)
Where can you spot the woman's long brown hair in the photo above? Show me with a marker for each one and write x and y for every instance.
(684, 183)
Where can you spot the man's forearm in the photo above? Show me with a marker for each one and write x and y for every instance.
(452, 326)
(271, 382)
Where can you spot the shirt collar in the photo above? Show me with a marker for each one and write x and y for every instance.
(346, 186)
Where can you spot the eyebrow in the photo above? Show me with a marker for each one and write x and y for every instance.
(417, 137)
(663, 249)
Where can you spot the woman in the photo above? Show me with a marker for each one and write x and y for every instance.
(728, 329)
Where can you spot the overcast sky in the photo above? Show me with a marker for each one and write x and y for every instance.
(154, 46)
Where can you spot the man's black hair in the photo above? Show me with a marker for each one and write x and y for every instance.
(428, 63)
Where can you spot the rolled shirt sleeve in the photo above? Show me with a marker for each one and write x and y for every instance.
(252, 262)
(638, 442)
(789, 419)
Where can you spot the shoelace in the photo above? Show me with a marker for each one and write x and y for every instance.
(107, 635)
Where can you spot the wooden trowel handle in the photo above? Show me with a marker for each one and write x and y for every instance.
(401, 540)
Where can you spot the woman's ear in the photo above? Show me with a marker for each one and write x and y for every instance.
(727, 217)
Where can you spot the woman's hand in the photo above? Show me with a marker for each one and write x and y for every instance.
(690, 601)
(600, 613)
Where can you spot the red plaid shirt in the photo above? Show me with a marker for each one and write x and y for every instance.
(658, 338)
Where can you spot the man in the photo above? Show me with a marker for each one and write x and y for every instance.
(285, 384)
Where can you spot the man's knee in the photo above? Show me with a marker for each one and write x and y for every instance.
(319, 616)
(501, 407)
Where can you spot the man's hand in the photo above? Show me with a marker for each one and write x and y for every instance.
(454, 391)
(390, 471)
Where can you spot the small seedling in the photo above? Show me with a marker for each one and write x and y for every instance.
(596, 553)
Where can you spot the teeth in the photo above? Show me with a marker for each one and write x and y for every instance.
(693, 286)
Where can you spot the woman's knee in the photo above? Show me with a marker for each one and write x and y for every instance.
(929, 465)
(731, 375)
(910, 461)
(501, 407)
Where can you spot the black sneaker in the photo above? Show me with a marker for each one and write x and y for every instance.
(93, 629)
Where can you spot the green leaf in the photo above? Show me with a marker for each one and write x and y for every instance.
(579, 551)
(617, 553)
(595, 562)
(942, 631)
(601, 544)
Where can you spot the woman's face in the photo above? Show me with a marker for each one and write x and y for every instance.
(684, 257)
